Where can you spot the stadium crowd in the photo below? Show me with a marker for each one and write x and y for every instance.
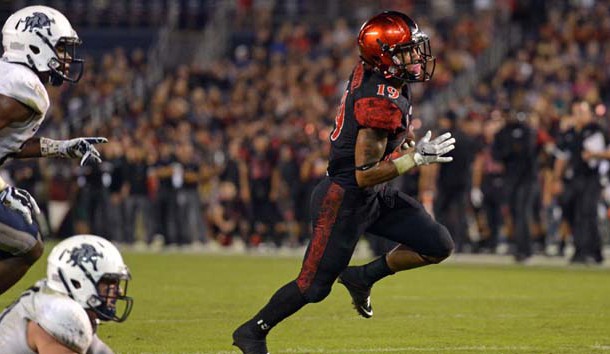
(231, 150)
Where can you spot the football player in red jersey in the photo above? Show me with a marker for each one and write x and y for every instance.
(368, 148)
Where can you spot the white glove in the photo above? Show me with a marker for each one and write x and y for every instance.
(20, 201)
(427, 151)
(74, 148)
(476, 197)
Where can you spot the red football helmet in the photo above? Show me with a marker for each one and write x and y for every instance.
(393, 45)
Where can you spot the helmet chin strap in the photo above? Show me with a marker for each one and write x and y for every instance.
(55, 78)
(65, 282)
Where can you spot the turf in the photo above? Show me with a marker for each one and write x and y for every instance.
(189, 303)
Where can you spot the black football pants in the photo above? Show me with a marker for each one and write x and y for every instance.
(340, 216)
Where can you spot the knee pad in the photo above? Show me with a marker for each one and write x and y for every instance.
(316, 293)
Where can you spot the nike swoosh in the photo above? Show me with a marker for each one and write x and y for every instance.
(369, 313)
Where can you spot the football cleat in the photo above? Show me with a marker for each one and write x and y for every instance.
(360, 293)
(248, 343)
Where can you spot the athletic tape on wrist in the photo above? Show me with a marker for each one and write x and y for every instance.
(404, 163)
(49, 147)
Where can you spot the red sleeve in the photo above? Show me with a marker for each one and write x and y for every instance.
(377, 113)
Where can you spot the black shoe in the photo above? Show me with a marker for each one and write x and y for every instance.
(361, 294)
(578, 259)
(248, 343)
(522, 258)
(598, 257)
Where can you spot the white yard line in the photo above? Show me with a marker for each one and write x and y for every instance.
(408, 349)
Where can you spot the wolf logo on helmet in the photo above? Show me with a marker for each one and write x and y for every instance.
(84, 254)
(37, 20)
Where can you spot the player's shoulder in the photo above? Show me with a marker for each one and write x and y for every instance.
(366, 82)
(376, 103)
(21, 83)
(64, 319)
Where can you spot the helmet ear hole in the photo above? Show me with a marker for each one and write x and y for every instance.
(75, 283)
(34, 49)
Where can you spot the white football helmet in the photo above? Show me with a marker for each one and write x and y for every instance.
(91, 271)
(43, 39)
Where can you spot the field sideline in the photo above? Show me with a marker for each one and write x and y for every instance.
(190, 303)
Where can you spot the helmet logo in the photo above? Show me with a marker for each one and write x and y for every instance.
(37, 20)
(84, 254)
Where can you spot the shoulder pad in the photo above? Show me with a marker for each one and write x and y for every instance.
(65, 320)
(377, 113)
(22, 84)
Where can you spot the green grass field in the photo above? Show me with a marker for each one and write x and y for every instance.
(190, 303)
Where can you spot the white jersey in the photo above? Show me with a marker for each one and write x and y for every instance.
(21, 83)
(59, 315)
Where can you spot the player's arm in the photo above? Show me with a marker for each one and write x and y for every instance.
(370, 146)
(31, 148)
(476, 195)
(605, 154)
(164, 171)
(595, 147)
(561, 162)
(244, 181)
(42, 342)
(98, 347)
(193, 176)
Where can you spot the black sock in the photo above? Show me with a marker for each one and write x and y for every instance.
(376, 270)
(286, 301)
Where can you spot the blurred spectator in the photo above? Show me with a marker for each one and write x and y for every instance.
(488, 188)
(186, 174)
(165, 207)
(224, 140)
(588, 138)
(454, 181)
(137, 203)
(515, 147)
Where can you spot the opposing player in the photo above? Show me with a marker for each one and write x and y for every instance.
(86, 283)
(39, 48)
(367, 149)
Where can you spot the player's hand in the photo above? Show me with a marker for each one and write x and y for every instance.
(21, 201)
(431, 151)
(476, 197)
(82, 148)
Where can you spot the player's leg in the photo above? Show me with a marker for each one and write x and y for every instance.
(334, 237)
(422, 241)
(20, 247)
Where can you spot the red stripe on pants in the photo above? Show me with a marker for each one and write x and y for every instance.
(321, 233)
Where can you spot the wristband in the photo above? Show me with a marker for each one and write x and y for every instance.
(404, 163)
(49, 147)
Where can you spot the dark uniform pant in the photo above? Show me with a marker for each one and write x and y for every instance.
(340, 216)
(521, 202)
(17, 237)
(587, 239)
